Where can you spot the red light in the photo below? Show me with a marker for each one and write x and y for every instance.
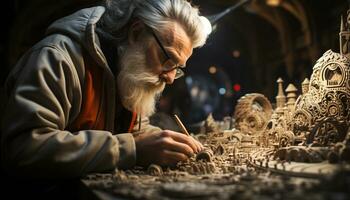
(237, 87)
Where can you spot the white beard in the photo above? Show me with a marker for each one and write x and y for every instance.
(139, 88)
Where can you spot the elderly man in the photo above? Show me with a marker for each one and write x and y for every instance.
(78, 101)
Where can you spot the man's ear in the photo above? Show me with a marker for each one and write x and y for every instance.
(135, 31)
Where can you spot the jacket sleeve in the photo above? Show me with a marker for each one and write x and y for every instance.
(43, 93)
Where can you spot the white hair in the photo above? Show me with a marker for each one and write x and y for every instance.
(155, 14)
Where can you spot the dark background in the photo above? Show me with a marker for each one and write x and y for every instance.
(249, 49)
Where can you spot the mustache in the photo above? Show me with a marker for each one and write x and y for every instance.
(148, 78)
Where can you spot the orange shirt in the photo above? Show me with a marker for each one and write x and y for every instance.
(92, 113)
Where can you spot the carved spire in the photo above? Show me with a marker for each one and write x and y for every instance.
(291, 96)
(305, 86)
(280, 98)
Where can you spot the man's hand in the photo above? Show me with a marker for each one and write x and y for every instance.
(165, 148)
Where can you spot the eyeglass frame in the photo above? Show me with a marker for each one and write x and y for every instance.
(179, 72)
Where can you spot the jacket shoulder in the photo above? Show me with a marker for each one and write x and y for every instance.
(64, 44)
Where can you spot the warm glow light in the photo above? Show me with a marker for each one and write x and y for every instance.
(212, 70)
(273, 2)
(236, 53)
(237, 87)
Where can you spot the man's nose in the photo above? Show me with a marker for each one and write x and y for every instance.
(169, 76)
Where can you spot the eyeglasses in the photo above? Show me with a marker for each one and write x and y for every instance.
(179, 72)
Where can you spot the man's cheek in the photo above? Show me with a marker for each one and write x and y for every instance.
(153, 62)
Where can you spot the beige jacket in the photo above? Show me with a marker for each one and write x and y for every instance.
(44, 93)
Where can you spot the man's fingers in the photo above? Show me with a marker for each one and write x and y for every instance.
(179, 147)
(182, 138)
(200, 146)
(172, 157)
(164, 148)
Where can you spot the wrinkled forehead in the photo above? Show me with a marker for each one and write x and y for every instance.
(177, 41)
